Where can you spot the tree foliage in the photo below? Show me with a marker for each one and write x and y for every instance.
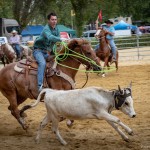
(24, 10)
(86, 11)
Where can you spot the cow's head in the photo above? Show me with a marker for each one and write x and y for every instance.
(124, 101)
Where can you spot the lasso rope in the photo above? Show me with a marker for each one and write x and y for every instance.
(61, 57)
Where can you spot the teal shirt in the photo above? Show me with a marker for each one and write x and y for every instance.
(110, 29)
(47, 38)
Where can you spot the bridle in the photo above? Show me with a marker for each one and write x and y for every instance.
(119, 98)
(89, 65)
(101, 37)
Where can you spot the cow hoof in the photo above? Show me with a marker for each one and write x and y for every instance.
(63, 142)
(69, 123)
(131, 133)
(37, 141)
(127, 140)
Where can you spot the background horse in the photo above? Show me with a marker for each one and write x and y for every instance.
(18, 86)
(8, 54)
(25, 51)
(104, 51)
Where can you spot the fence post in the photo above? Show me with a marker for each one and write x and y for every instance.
(137, 40)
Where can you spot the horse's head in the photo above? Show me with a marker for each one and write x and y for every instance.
(8, 52)
(83, 49)
(101, 32)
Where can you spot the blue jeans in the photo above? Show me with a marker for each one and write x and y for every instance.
(40, 57)
(17, 50)
(112, 45)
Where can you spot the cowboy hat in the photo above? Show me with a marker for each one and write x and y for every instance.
(108, 21)
(14, 31)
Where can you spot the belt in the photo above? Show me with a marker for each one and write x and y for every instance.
(40, 49)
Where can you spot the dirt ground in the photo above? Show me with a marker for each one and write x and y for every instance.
(86, 134)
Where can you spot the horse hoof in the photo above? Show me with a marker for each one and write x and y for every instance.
(103, 75)
(23, 115)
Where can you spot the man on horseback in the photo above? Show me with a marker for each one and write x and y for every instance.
(44, 44)
(109, 37)
(15, 42)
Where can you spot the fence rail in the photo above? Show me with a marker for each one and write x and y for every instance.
(132, 48)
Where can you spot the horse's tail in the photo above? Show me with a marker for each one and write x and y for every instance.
(42, 94)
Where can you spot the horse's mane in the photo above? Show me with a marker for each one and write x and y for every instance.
(73, 44)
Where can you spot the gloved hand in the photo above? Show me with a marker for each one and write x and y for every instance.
(63, 39)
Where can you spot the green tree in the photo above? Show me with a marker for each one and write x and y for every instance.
(6, 9)
(24, 10)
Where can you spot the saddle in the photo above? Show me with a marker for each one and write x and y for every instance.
(29, 66)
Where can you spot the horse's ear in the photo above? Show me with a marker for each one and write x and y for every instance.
(81, 41)
(72, 44)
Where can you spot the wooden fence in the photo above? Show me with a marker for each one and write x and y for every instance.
(132, 48)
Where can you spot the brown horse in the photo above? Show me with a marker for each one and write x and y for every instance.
(21, 84)
(8, 54)
(104, 52)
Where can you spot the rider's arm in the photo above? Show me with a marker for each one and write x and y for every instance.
(111, 31)
(96, 24)
(48, 34)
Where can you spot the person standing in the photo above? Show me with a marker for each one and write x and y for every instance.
(15, 42)
(44, 44)
(109, 37)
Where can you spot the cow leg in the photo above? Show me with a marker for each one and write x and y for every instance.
(55, 122)
(114, 119)
(124, 137)
(43, 123)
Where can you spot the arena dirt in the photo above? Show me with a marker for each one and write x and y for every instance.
(86, 134)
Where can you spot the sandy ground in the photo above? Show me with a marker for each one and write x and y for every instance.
(86, 134)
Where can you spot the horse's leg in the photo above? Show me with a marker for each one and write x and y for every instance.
(3, 61)
(99, 60)
(105, 65)
(12, 98)
(116, 63)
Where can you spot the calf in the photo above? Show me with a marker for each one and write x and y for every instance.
(87, 103)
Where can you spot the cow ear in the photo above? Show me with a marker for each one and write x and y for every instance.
(130, 85)
(119, 89)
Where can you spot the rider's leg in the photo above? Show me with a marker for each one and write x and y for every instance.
(113, 48)
(18, 51)
(40, 56)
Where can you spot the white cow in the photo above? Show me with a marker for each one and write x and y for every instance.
(87, 103)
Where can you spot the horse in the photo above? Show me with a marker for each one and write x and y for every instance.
(18, 84)
(8, 54)
(104, 52)
(25, 51)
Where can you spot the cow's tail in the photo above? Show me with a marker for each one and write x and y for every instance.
(42, 94)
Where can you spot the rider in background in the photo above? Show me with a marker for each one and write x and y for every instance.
(15, 42)
(109, 37)
(44, 44)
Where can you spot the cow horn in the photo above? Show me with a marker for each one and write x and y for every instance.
(130, 85)
(119, 89)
